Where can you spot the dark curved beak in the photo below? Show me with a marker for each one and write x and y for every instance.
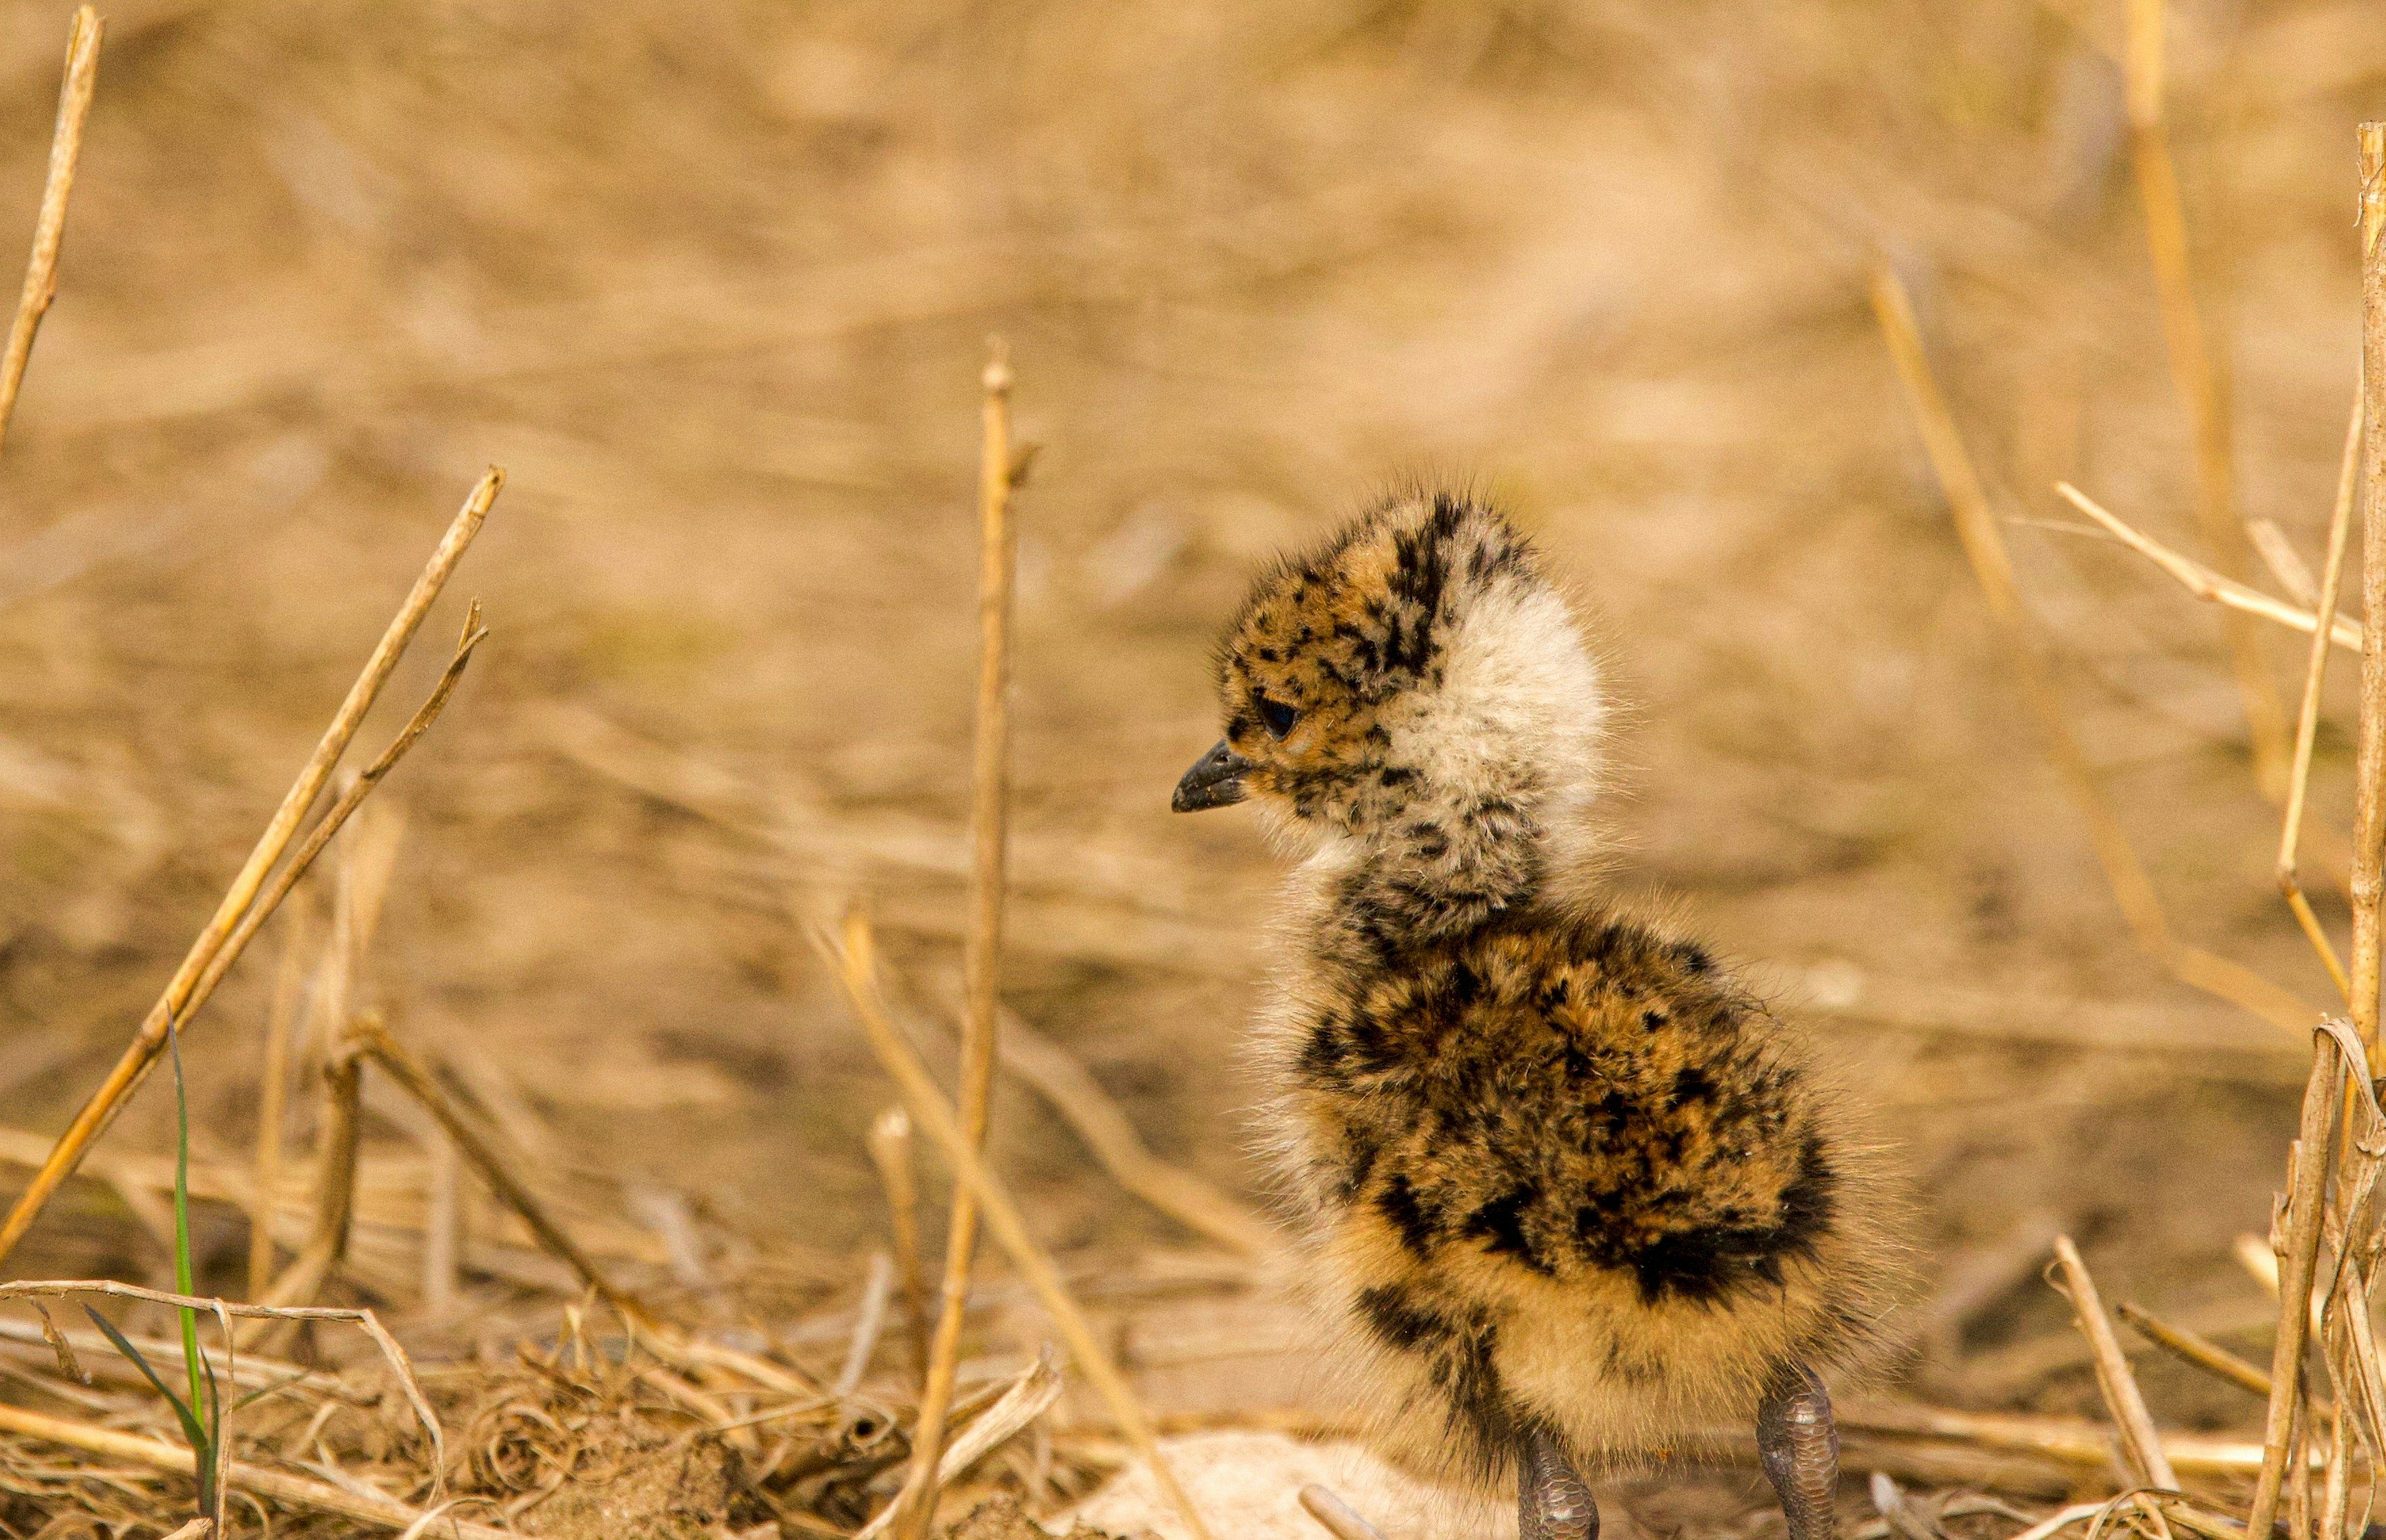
(1215, 781)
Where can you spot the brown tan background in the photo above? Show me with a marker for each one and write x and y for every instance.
(713, 282)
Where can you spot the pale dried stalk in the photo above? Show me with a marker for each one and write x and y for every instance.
(2060, 1519)
(2370, 810)
(261, 1480)
(221, 940)
(2340, 521)
(2198, 381)
(273, 1088)
(982, 950)
(2070, 1440)
(2204, 582)
(1340, 1519)
(868, 1322)
(856, 971)
(247, 1371)
(50, 225)
(890, 1151)
(2315, 1142)
(2138, 1439)
(2260, 1262)
(1983, 543)
(2286, 564)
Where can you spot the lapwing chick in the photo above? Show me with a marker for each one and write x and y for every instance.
(1574, 1197)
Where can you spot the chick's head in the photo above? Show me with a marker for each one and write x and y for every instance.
(1418, 659)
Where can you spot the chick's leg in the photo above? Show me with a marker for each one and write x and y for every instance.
(1552, 1502)
(1800, 1447)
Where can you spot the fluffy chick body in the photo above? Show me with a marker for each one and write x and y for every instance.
(1550, 1171)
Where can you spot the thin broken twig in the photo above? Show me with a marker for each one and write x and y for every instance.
(2206, 584)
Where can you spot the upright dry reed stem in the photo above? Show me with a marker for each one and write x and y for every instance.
(2199, 381)
(856, 971)
(2331, 580)
(1984, 546)
(2370, 810)
(2297, 1265)
(273, 1090)
(221, 940)
(50, 226)
(2139, 1438)
(982, 950)
(890, 1151)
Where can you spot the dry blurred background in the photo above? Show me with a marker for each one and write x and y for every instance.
(713, 282)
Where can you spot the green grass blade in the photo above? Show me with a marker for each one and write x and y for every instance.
(211, 1502)
(195, 1434)
(191, 1429)
(191, 1361)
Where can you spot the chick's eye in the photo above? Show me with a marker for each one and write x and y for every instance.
(1276, 716)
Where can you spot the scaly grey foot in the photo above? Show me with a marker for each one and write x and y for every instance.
(1552, 1501)
(1800, 1447)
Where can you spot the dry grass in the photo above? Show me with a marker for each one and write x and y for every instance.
(614, 1177)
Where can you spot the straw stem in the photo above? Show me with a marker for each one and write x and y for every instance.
(982, 949)
(50, 225)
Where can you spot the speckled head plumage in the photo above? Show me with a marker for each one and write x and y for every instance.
(1417, 664)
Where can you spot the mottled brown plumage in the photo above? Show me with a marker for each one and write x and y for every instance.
(1566, 1187)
